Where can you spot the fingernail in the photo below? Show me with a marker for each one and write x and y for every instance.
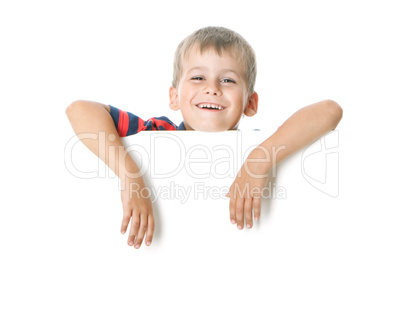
(256, 218)
(239, 227)
(122, 232)
(248, 226)
(137, 246)
(233, 221)
(130, 243)
(148, 243)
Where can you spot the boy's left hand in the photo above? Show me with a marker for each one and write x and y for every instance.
(246, 190)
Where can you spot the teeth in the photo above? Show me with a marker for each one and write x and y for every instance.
(211, 106)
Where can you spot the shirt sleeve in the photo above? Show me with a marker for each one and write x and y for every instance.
(129, 124)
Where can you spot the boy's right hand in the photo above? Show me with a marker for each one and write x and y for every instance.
(137, 206)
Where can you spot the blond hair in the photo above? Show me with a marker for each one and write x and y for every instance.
(218, 38)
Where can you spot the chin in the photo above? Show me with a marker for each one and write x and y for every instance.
(211, 129)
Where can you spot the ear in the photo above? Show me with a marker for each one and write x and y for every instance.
(252, 105)
(173, 99)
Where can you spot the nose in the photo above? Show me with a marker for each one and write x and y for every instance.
(212, 89)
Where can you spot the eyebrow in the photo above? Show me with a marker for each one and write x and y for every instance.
(203, 68)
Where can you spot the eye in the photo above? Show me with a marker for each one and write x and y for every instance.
(197, 78)
(227, 80)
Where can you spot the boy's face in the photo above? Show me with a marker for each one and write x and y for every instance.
(212, 92)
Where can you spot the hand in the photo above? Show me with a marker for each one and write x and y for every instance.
(137, 206)
(246, 190)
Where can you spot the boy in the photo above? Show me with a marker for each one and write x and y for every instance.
(213, 87)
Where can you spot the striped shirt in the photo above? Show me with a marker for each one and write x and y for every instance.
(129, 124)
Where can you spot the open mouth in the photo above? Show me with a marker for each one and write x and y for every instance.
(210, 107)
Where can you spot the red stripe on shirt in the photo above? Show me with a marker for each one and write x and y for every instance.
(123, 123)
(164, 124)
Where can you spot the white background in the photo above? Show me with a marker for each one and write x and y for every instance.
(59, 235)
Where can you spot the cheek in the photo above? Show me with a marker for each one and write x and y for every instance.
(241, 101)
(238, 95)
(185, 92)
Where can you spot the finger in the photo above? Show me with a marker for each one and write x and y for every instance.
(257, 207)
(239, 213)
(135, 223)
(141, 231)
(248, 212)
(150, 229)
(125, 221)
(232, 210)
(229, 192)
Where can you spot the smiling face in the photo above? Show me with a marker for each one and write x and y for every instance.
(212, 92)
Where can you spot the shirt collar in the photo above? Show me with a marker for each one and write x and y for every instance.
(181, 126)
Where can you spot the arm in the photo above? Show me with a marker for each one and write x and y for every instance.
(94, 118)
(301, 129)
